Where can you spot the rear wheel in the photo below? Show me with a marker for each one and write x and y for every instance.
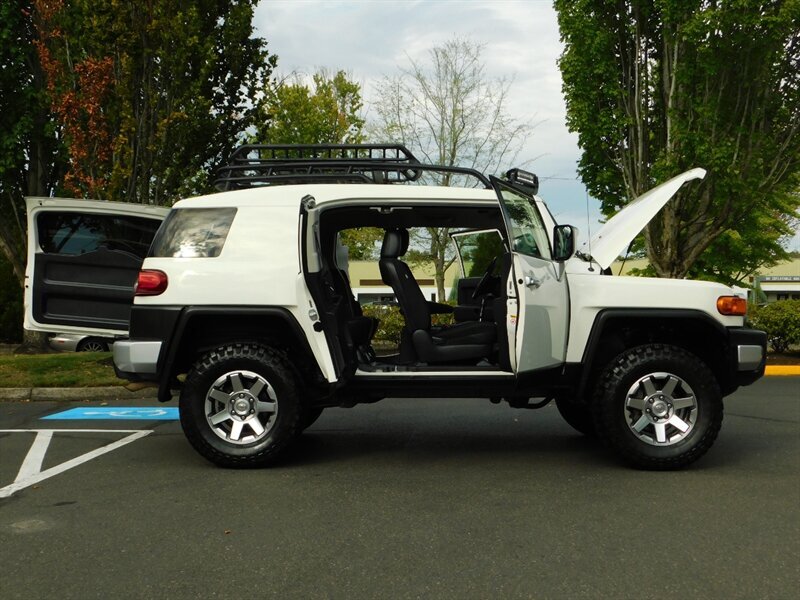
(240, 405)
(658, 407)
(309, 416)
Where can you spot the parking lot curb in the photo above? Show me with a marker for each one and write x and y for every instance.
(782, 370)
(115, 392)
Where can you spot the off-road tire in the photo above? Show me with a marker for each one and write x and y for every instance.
(612, 395)
(309, 416)
(578, 416)
(254, 359)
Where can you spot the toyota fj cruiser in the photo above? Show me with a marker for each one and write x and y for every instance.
(244, 308)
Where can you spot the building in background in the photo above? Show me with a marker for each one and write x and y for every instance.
(781, 282)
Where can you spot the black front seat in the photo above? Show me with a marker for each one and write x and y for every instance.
(463, 342)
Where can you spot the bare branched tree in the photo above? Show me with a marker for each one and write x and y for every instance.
(447, 111)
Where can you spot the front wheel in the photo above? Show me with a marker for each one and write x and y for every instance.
(658, 407)
(240, 405)
(578, 416)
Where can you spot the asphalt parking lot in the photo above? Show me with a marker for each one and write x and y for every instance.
(401, 499)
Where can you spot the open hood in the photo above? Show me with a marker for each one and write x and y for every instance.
(612, 239)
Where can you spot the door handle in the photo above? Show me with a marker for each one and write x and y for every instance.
(532, 281)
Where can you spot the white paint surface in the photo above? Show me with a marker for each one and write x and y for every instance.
(30, 472)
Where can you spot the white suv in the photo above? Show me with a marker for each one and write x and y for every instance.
(243, 305)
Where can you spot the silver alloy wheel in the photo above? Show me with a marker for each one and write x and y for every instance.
(241, 407)
(93, 346)
(660, 409)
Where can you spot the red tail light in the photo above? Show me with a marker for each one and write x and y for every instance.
(151, 282)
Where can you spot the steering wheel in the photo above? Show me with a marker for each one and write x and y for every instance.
(487, 281)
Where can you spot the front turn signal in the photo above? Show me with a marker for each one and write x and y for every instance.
(732, 305)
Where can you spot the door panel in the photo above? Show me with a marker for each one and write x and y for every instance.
(541, 314)
(541, 337)
(88, 290)
(83, 261)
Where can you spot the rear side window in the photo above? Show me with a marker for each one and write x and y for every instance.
(72, 234)
(193, 233)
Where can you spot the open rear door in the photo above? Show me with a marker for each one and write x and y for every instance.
(83, 261)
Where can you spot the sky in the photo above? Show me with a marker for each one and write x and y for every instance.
(373, 38)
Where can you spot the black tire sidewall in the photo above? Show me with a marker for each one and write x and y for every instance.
(309, 416)
(608, 409)
(578, 416)
(258, 359)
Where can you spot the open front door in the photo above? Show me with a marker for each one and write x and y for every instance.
(83, 261)
(538, 285)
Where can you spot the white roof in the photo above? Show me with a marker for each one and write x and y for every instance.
(290, 195)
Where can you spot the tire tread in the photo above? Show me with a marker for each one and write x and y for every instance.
(279, 363)
(619, 440)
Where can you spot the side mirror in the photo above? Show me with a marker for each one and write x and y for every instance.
(564, 237)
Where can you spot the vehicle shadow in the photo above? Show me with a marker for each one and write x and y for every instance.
(393, 445)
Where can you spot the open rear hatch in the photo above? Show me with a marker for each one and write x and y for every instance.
(83, 261)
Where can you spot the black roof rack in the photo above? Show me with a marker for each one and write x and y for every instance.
(261, 165)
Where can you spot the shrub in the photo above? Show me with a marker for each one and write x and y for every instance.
(390, 324)
(781, 321)
(391, 321)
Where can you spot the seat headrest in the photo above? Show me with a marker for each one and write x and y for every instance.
(395, 243)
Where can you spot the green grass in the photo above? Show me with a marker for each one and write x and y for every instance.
(76, 369)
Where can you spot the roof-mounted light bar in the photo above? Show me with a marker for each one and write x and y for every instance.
(523, 178)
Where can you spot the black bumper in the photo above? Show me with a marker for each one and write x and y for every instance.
(747, 355)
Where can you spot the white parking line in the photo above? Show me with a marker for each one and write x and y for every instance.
(30, 472)
(33, 460)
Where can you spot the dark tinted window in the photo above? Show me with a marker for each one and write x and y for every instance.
(194, 233)
(77, 233)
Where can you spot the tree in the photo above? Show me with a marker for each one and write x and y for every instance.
(449, 112)
(328, 112)
(30, 159)
(737, 254)
(654, 87)
(120, 100)
(151, 98)
(29, 164)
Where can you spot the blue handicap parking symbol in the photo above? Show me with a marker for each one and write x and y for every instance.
(136, 413)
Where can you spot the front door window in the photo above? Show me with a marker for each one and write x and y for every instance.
(525, 226)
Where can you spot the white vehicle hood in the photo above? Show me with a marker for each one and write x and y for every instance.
(612, 239)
